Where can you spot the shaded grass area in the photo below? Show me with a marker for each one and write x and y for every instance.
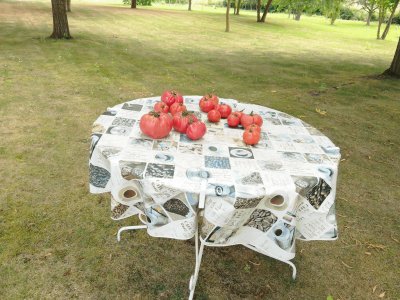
(56, 240)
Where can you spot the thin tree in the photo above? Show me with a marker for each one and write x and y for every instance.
(228, 6)
(382, 9)
(68, 5)
(266, 9)
(133, 3)
(60, 20)
(369, 6)
(190, 5)
(389, 22)
(258, 10)
(394, 69)
(238, 3)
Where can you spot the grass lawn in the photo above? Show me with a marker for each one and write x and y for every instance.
(56, 239)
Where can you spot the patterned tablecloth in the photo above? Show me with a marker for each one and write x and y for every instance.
(264, 196)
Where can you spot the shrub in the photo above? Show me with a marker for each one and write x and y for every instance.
(396, 19)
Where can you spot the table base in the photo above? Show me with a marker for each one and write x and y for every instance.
(199, 254)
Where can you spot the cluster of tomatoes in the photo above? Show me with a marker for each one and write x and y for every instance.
(250, 122)
(170, 113)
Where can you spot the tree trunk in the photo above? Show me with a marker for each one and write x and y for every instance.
(238, 7)
(394, 69)
(333, 19)
(380, 20)
(60, 20)
(258, 10)
(266, 11)
(386, 31)
(133, 3)
(369, 17)
(190, 5)
(68, 5)
(228, 6)
(298, 15)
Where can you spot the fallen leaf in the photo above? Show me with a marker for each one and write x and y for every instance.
(381, 295)
(396, 240)
(368, 253)
(273, 91)
(346, 265)
(374, 288)
(321, 112)
(256, 264)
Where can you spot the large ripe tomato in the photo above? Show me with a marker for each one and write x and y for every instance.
(161, 107)
(155, 124)
(206, 105)
(211, 97)
(196, 130)
(177, 107)
(225, 110)
(234, 120)
(251, 137)
(214, 116)
(247, 120)
(170, 97)
(181, 120)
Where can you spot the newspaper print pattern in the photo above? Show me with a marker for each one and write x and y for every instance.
(265, 196)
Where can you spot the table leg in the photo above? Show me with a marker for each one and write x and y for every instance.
(129, 228)
(199, 255)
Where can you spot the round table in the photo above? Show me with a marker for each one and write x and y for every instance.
(263, 197)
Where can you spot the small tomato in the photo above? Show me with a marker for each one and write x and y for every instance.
(196, 130)
(233, 120)
(214, 116)
(251, 137)
(177, 107)
(161, 107)
(170, 97)
(225, 110)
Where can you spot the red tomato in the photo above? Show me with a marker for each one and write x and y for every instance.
(247, 120)
(196, 130)
(254, 127)
(251, 137)
(181, 120)
(156, 125)
(161, 107)
(206, 105)
(225, 110)
(170, 97)
(211, 97)
(233, 120)
(214, 116)
(177, 107)
(239, 113)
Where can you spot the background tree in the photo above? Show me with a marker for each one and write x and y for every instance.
(238, 3)
(392, 6)
(68, 5)
(133, 3)
(60, 20)
(383, 6)
(190, 5)
(394, 69)
(332, 8)
(369, 6)
(266, 9)
(228, 6)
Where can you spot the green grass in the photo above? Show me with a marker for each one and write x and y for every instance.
(56, 239)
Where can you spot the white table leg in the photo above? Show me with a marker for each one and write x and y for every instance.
(199, 255)
(129, 228)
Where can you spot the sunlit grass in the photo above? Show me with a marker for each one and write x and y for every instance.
(56, 240)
